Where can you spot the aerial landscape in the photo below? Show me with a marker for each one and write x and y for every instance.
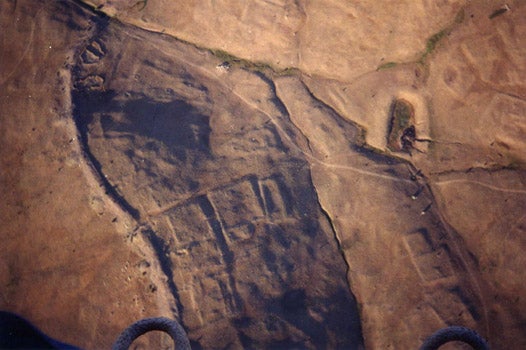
(271, 174)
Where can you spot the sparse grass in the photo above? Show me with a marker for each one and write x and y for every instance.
(513, 166)
(404, 113)
(140, 5)
(289, 71)
(400, 121)
(515, 163)
(459, 18)
(225, 56)
(255, 66)
(386, 66)
(361, 136)
(434, 39)
(432, 42)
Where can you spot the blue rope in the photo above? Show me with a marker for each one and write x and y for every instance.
(455, 333)
(18, 333)
(173, 328)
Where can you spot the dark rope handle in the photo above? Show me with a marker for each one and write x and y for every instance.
(455, 333)
(173, 328)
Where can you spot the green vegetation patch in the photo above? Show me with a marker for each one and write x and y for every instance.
(434, 39)
(401, 126)
(386, 66)
(255, 66)
(432, 43)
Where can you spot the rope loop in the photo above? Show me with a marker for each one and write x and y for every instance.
(172, 327)
(455, 333)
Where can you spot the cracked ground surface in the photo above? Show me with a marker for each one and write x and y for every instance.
(227, 165)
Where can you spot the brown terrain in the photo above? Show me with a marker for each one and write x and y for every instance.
(271, 174)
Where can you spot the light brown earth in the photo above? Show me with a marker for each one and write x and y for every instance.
(226, 164)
